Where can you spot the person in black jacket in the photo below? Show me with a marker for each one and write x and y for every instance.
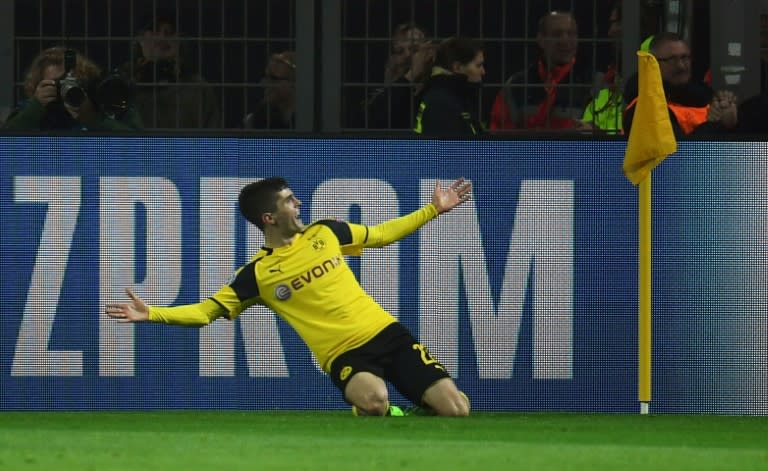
(451, 91)
(277, 108)
(393, 106)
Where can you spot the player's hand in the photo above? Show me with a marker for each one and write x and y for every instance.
(457, 193)
(46, 92)
(135, 311)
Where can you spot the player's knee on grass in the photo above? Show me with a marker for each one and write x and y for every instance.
(456, 406)
(368, 393)
(374, 403)
(446, 399)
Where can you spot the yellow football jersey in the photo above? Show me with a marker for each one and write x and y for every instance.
(309, 284)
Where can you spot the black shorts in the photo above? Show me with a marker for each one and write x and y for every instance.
(394, 355)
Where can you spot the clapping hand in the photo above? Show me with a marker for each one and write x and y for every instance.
(724, 109)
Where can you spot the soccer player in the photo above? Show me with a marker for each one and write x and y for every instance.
(301, 274)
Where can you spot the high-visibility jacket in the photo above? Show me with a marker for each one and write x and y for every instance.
(686, 117)
(605, 111)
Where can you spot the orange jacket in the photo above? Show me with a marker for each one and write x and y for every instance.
(687, 117)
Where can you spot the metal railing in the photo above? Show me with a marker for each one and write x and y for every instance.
(340, 51)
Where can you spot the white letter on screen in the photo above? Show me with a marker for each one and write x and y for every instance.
(541, 246)
(120, 201)
(32, 357)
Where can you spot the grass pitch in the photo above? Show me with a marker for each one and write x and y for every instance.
(212, 440)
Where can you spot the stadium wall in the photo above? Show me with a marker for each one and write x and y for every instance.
(528, 294)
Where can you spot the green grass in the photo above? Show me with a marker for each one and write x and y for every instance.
(207, 440)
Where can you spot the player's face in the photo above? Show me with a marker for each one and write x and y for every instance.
(286, 216)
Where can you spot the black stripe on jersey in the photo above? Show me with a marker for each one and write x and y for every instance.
(244, 284)
(341, 229)
(222, 306)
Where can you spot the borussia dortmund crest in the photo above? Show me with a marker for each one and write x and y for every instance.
(345, 372)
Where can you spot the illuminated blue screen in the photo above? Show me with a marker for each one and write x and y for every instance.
(528, 295)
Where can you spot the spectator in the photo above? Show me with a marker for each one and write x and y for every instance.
(551, 93)
(276, 110)
(51, 106)
(451, 92)
(169, 94)
(422, 63)
(392, 106)
(688, 100)
(406, 39)
(605, 110)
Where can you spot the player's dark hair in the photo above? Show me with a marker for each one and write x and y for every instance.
(260, 197)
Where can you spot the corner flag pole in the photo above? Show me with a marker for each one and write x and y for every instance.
(651, 140)
(644, 294)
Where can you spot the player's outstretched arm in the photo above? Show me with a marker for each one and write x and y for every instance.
(443, 200)
(135, 311)
(191, 315)
(457, 193)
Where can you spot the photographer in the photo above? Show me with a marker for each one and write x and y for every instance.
(61, 99)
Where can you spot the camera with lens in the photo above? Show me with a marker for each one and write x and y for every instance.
(70, 90)
(112, 95)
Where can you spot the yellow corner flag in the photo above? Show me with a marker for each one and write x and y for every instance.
(651, 138)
